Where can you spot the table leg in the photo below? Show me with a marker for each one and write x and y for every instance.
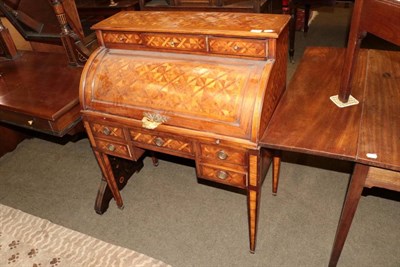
(353, 195)
(276, 165)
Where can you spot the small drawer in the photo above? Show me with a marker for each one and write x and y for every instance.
(113, 148)
(175, 42)
(222, 175)
(107, 131)
(162, 142)
(239, 47)
(223, 154)
(122, 38)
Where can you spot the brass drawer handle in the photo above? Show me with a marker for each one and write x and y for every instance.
(122, 39)
(222, 175)
(222, 155)
(236, 48)
(158, 141)
(172, 44)
(106, 131)
(111, 147)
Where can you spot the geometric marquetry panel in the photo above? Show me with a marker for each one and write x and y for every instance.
(223, 154)
(176, 42)
(230, 23)
(162, 142)
(122, 38)
(195, 88)
(220, 175)
(238, 47)
(113, 148)
(107, 131)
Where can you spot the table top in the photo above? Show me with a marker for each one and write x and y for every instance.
(39, 84)
(99, 4)
(307, 121)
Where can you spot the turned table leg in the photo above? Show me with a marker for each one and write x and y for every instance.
(353, 195)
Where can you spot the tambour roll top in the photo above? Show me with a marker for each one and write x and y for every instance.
(188, 70)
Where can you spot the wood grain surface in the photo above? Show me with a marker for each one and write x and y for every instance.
(306, 120)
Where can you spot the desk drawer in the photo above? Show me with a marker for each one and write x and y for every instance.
(222, 175)
(175, 42)
(122, 38)
(223, 154)
(162, 143)
(113, 148)
(107, 131)
(238, 47)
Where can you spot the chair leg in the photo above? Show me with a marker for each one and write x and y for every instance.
(292, 30)
(353, 195)
(307, 8)
(275, 172)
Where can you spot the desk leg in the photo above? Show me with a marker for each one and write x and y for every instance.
(353, 195)
(253, 199)
(122, 170)
(109, 182)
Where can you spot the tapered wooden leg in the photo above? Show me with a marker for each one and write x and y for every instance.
(275, 172)
(353, 195)
(253, 199)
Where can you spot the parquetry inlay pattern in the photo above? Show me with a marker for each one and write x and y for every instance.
(204, 90)
(176, 42)
(202, 20)
(125, 38)
(238, 47)
(166, 142)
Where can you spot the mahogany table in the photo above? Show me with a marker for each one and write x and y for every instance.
(367, 134)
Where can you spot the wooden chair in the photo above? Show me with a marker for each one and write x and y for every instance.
(381, 18)
(49, 26)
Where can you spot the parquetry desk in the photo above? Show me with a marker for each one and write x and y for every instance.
(196, 85)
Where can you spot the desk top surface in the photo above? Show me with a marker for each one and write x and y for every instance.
(185, 22)
(307, 121)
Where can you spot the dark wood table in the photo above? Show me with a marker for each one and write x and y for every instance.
(104, 7)
(367, 134)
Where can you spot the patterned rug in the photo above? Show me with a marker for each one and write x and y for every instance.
(26, 240)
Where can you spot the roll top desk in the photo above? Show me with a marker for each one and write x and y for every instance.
(196, 85)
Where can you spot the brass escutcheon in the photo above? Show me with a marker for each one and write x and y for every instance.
(106, 131)
(152, 120)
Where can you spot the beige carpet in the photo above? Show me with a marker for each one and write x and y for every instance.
(26, 240)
